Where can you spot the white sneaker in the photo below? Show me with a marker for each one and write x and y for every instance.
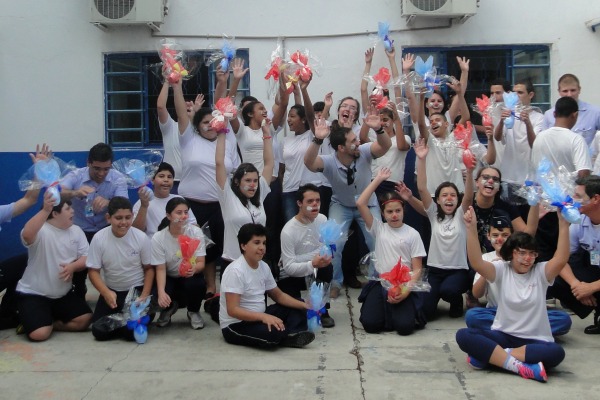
(195, 319)
(164, 318)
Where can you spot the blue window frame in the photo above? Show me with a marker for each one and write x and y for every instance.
(488, 63)
(131, 88)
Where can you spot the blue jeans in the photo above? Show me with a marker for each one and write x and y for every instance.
(342, 214)
(482, 318)
(288, 203)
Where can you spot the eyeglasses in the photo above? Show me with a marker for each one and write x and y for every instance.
(488, 177)
(526, 253)
(350, 175)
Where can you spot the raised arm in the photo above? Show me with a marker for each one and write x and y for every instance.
(459, 103)
(238, 74)
(33, 226)
(279, 112)
(561, 255)
(221, 172)
(421, 151)
(469, 193)
(363, 201)
(269, 159)
(460, 90)
(308, 106)
(401, 142)
(328, 100)
(221, 86)
(485, 268)
(395, 74)
(161, 103)
(312, 160)
(490, 155)
(364, 85)
(383, 143)
(407, 196)
(183, 120)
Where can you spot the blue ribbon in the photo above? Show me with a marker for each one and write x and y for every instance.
(312, 313)
(132, 324)
(333, 248)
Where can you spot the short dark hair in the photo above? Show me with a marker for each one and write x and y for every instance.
(443, 185)
(247, 110)
(199, 116)
(100, 152)
(164, 166)
(171, 205)
(337, 137)
(518, 240)
(480, 171)
(387, 112)
(565, 107)
(440, 114)
(301, 113)
(246, 99)
(248, 231)
(238, 174)
(591, 183)
(527, 83)
(118, 203)
(58, 208)
(319, 106)
(501, 82)
(309, 187)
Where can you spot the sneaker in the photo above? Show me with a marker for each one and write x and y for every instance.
(298, 339)
(456, 309)
(195, 319)
(327, 321)
(533, 371)
(164, 318)
(334, 293)
(475, 363)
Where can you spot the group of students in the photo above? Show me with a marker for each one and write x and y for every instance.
(341, 170)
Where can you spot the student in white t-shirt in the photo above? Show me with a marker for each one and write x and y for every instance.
(148, 214)
(244, 317)
(57, 248)
(394, 241)
(448, 271)
(119, 259)
(242, 196)
(520, 340)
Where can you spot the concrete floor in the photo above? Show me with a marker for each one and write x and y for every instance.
(342, 363)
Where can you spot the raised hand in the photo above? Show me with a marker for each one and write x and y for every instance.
(238, 68)
(463, 63)
(321, 128)
(41, 153)
(372, 119)
(421, 148)
(408, 61)
(369, 55)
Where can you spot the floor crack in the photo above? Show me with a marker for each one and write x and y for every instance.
(356, 348)
(109, 370)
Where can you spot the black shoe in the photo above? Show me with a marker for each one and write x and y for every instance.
(298, 339)
(593, 329)
(327, 321)
(456, 308)
(353, 283)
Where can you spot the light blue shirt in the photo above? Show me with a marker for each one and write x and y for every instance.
(6, 211)
(584, 235)
(114, 185)
(336, 174)
(588, 121)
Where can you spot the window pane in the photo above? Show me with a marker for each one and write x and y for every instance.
(121, 120)
(124, 83)
(528, 57)
(124, 65)
(126, 137)
(125, 101)
(537, 75)
(542, 94)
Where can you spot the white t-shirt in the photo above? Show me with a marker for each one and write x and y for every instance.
(198, 180)
(296, 173)
(251, 144)
(235, 215)
(121, 260)
(595, 149)
(517, 152)
(170, 135)
(490, 290)
(562, 147)
(391, 244)
(393, 159)
(156, 212)
(448, 246)
(443, 164)
(52, 247)
(251, 284)
(166, 250)
(522, 302)
(299, 244)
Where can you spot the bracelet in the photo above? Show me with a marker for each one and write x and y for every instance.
(379, 131)
(267, 137)
(317, 141)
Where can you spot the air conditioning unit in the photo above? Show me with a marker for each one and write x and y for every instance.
(462, 9)
(106, 13)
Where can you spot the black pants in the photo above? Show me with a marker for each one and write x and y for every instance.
(256, 334)
(446, 284)
(274, 225)
(211, 213)
(11, 271)
(294, 285)
(187, 292)
(102, 332)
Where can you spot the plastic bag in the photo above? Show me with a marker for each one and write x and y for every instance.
(174, 61)
(225, 55)
(380, 80)
(510, 102)
(383, 31)
(274, 70)
(318, 297)
(138, 172)
(225, 109)
(431, 79)
(557, 189)
(462, 135)
(484, 106)
(330, 235)
(189, 242)
(46, 174)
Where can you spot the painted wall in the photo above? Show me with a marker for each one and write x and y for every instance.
(52, 71)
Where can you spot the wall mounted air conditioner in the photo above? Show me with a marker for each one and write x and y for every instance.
(106, 13)
(461, 9)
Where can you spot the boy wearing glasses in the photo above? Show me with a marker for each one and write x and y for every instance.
(482, 318)
(90, 189)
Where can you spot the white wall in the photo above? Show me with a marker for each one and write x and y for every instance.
(52, 71)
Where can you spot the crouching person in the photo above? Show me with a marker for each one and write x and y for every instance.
(244, 317)
(57, 249)
(123, 254)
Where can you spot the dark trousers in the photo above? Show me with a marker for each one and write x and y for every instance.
(273, 211)
(326, 192)
(378, 315)
(294, 285)
(187, 292)
(103, 332)
(480, 344)
(446, 284)
(256, 334)
(11, 271)
(80, 277)
(211, 213)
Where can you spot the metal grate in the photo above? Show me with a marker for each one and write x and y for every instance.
(429, 5)
(114, 9)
